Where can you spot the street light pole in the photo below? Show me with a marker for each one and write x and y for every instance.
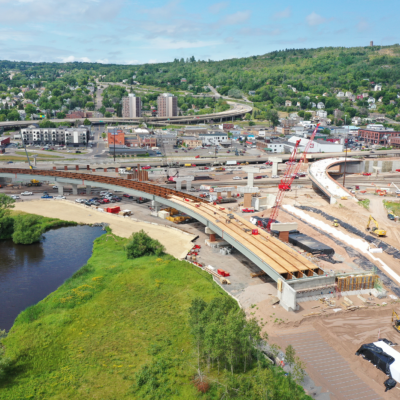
(345, 156)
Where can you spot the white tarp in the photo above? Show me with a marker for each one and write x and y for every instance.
(395, 367)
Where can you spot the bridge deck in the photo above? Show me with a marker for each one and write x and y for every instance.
(272, 255)
(279, 256)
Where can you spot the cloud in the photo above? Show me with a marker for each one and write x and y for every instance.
(236, 18)
(169, 10)
(168, 44)
(363, 25)
(103, 61)
(73, 58)
(131, 62)
(314, 19)
(217, 7)
(260, 31)
(286, 13)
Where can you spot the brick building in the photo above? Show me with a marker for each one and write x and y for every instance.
(377, 137)
(395, 142)
(116, 136)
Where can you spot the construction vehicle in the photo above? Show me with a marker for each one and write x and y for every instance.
(291, 172)
(395, 321)
(219, 169)
(391, 215)
(375, 229)
(34, 182)
(335, 223)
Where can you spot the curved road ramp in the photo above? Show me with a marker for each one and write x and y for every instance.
(319, 175)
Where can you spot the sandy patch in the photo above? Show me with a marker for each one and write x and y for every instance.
(177, 243)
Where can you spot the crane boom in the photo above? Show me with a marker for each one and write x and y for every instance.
(290, 175)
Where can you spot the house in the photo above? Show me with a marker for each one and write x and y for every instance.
(298, 104)
(191, 141)
(392, 102)
(365, 95)
(294, 89)
(288, 103)
(313, 105)
(372, 106)
(348, 94)
(380, 99)
(320, 105)
(322, 114)
(252, 92)
(371, 100)
(325, 94)
(378, 88)
(340, 94)
(359, 97)
(183, 80)
(356, 120)
(213, 138)
(307, 98)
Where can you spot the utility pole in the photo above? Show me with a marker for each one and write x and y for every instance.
(345, 156)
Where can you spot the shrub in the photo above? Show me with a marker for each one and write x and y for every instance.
(141, 244)
(27, 229)
(6, 228)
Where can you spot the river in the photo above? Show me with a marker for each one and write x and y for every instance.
(28, 273)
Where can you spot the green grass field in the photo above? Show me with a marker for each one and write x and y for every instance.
(30, 154)
(393, 205)
(87, 339)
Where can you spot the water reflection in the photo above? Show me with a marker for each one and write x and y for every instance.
(29, 273)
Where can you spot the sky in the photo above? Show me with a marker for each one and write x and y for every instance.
(138, 32)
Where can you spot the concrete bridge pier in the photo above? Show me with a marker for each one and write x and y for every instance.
(275, 162)
(156, 205)
(75, 189)
(188, 180)
(88, 189)
(60, 189)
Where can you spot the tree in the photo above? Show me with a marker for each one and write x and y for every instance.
(290, 355)
(103, 135)
(196, 323)
(27, 229)
(102, 109)
(107, 114)
(251, 123)
(6, 203)
(87, 122)
(47, 124)
(273, 117)
(299, 370)
(90, 105)
(235, 93)
(141, 244)
(6, 222)
(13, 115)
(307, 116)
(61, 115)
(30, 109)
(247, 116)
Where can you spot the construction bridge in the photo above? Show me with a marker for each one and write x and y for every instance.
(274, 257)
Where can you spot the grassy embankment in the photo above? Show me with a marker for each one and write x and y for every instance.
(118, 329)
(394, 206)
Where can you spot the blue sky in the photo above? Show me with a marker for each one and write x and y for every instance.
(136, 32)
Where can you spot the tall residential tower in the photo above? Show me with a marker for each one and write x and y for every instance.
(167, 105)
(131, 106)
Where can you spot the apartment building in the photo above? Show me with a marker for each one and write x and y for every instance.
(167, 105)
(74, 137)
(131, 106)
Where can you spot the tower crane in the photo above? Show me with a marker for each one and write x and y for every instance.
(290, 175)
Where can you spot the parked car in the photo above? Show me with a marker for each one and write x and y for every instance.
(367, 174)
(248, 210)
(275, 176)
(10, 162)
(126, 195)
(258, 177)
(78, 152)
(55, 187)
(26, 193)
(47, 196)
(236, 178)
(59, 197)
(15, 197)
(80, 201)
(88, 203)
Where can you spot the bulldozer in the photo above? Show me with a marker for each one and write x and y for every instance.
(395, 321)
(335, 223)
(375, 229)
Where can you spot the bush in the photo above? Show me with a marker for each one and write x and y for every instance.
(27, 229)
(141, 244)
(6, 228)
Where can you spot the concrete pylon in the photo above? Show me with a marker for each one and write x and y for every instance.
(188, 180)
(74, 189)
(88, 189)
(275, 162)
(156, 205)
(60, 189)
(250, 175)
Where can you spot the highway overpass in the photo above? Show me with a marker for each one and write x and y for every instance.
(274, 257)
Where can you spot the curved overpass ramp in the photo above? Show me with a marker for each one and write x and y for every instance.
(274, 257)
(319, 175)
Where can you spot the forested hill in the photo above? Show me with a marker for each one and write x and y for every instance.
(304, 77)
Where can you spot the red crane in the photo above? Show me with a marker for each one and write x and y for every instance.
(290, 175)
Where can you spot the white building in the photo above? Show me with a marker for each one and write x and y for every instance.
(213, 138)
(288, 103)
(340, 94)
(322, 114)
(276, 147)
(315, 147)
(131, 106)
(378, 88)
(320, 105)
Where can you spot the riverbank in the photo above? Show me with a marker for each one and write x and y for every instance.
(177, 243)
(118, 329)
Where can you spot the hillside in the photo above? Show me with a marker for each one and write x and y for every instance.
(317, 75)
(119, 329)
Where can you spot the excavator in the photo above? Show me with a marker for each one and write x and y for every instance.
(395, 321)
(375, 229)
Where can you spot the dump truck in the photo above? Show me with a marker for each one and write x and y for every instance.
(34, 182)
(375, 229)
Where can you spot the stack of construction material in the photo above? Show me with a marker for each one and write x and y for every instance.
(163, 214)
(358, 282)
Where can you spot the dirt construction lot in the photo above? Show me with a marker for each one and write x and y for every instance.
(177, 243)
